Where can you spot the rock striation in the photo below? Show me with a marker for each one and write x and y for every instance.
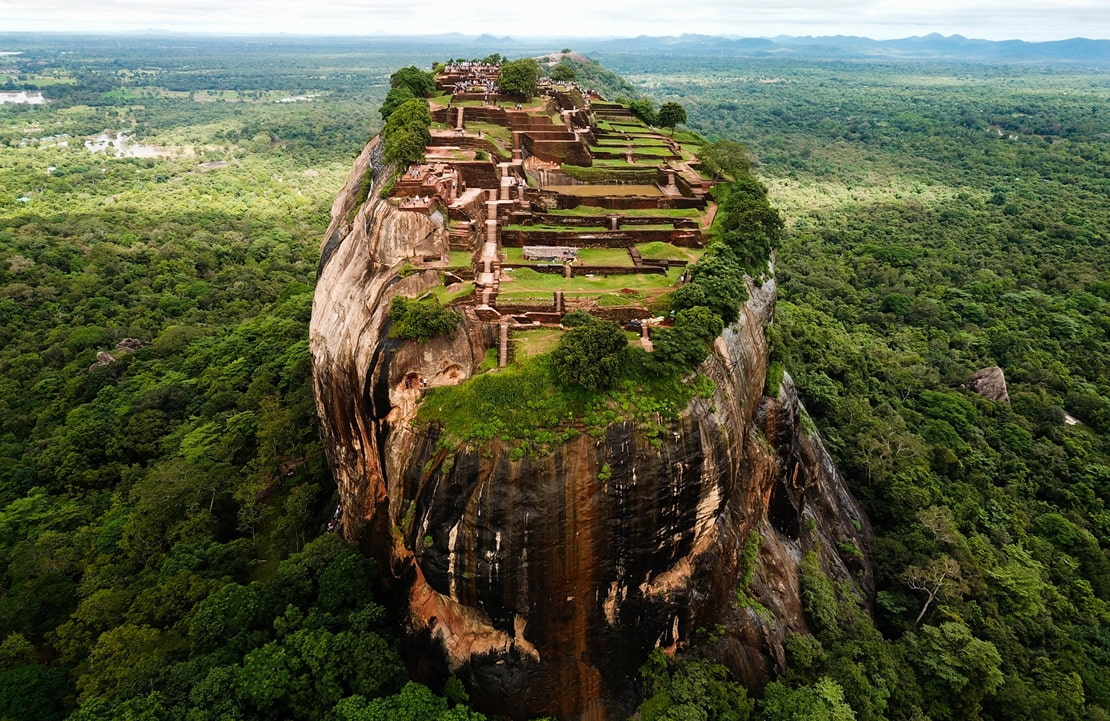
(544, 581)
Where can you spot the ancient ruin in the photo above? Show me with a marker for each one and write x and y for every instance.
(566, 171)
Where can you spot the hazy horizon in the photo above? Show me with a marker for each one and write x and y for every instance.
(875, 19)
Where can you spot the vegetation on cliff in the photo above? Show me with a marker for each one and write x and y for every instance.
(421, 320)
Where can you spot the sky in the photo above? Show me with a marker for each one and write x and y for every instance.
(1033, 20)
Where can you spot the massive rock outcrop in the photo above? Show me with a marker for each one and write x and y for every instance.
(544, 581)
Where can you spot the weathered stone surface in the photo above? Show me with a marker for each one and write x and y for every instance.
(544, 581)
(990, 383)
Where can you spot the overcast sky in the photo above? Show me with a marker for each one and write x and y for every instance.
(879, 19)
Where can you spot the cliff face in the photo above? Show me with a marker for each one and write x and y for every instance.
(544, 582)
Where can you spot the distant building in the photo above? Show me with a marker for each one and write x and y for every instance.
(550, 253)
(23, 97)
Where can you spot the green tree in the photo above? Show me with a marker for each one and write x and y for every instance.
(959, 670)
(591, 355)
(822, 701)
(671, 114)
(562, 72)
(33, 693)
(413, 703)
(520, 78)
(644, 109)
(421, 320)
(726, 158)
(394, 99)
(405, 147)
(691, 689)
(418, 82)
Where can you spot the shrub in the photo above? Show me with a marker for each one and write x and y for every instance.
(591, 355)
(421, 320)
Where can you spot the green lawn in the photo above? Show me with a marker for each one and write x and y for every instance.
(460, 258)
(605, 256)
(529, 343)
(490, 130)
(627, 172)
(525, 284)
(608, 142)
(619, 163)
(622, 127)
(590, 210)
(666, 251)
(557, 228)
(449, 294)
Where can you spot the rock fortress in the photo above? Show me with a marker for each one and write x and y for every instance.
(541, 565)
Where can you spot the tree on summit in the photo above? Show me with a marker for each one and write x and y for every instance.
(419, 82)
(407, 132)
(591, 355)
(562, 73)
(520, 78)
(644, 109)
(671, 114)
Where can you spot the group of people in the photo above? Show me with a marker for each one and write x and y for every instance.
(416, 382)
(411, 201)
(472, 67)
(482, 85)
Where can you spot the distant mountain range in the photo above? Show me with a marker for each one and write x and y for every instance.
(933, 46)
(1081, 51)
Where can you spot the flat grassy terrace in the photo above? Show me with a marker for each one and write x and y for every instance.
(588, 256)
(523, 402)
(558, 228)
(666, 251)
(585, 211)
(492, 130)
(610, 142)
(460, 258)
(618, 163)
(524, 285)
(622, 127)
(447, 294)
(528, 343)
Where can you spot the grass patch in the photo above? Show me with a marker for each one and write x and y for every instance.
(523, 402)
(633, 173)
(556, 228)
(630, 127)
(617, 300)
(590, 211)
(610, 142)
(535, 342)
(526, 280)
(447, 294)
(460, 258)
(689, 136)
(489, 130)
(658, 250)
(605, 256)
(655, 152)
(617, 163)
(489, 360)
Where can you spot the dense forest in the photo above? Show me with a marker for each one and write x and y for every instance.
(164, 500)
